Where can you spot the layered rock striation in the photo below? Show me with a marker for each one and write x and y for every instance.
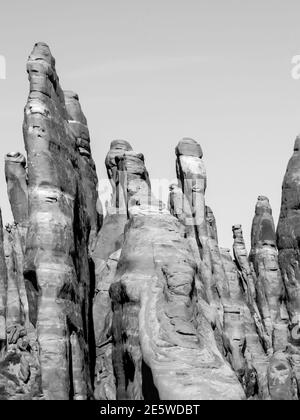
(54, 204)
(142, 302)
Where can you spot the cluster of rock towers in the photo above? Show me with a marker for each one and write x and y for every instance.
(141, 303)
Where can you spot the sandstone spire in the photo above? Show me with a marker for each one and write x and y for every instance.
(62, 220)
(288, 234)
(270, 288)
(191, 175)
(143, 303)
(154, 299)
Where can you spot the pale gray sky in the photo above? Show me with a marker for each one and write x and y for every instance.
(155, 71)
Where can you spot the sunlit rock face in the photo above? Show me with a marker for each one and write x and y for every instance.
(142, 302)
(288, 233)
(270, 287)
(16, 178)
(3, 289)
(50, 277)
(169, 344)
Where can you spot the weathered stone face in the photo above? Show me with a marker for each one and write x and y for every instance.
(270, 287)
(189, 147)
(143, 304)
(154, 299)
(117, 149)
(63, 224)
(19, 364)
(288, 234)
(263, 230)
(16, 178)
(3, 289)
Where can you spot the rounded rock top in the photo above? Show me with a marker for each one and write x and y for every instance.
(189, 147)
(263, 205)
(120, 144)
(262, 198)
(16, 157)
(69, 94)
(173, 186)
(41, 50)
(237, 226)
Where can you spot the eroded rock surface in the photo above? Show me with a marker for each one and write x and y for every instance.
(142, 303)
(288, 234)
(55, 202)
(160, 331)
